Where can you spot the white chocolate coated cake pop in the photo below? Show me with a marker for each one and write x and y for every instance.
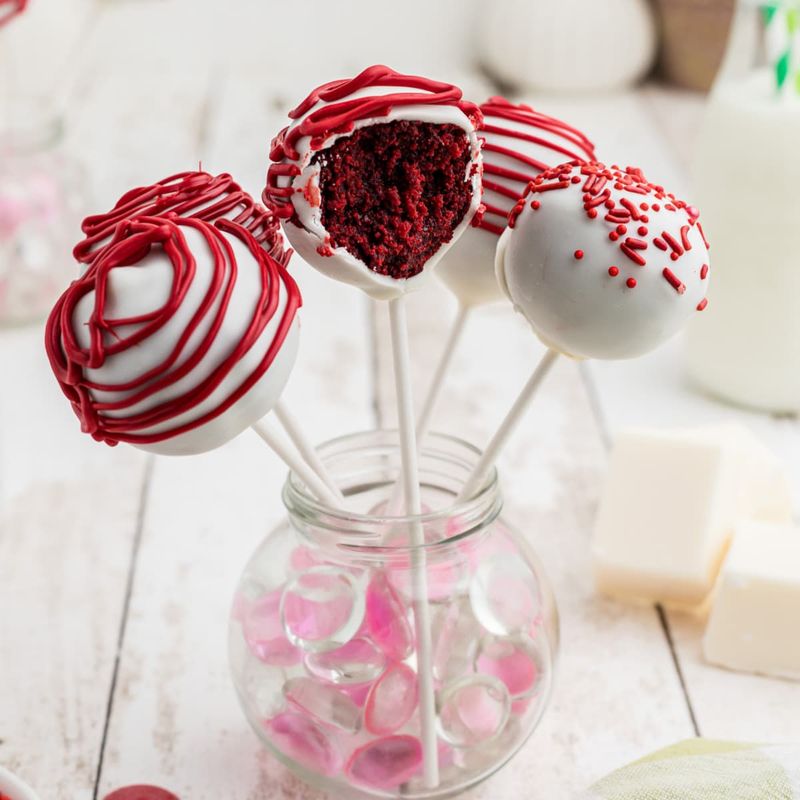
(179, 335)
(376, 177)
(601, 262)
(519, 144)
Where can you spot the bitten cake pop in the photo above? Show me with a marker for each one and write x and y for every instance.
(178, 336)
(375, 177)
(603, 263)
(519, 143)
(187, 194)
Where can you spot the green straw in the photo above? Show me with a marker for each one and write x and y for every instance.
(787, 14)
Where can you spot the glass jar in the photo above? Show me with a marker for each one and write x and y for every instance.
(322, 638)
(746, 346)
(41, 200)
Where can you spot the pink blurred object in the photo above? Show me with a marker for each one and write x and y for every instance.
(392, 700)
(386, 763)
(10, 9)
(264, 632)
(386, 619)
(302, 740)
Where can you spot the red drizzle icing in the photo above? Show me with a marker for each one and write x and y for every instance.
(596, 192)
(521, 123)
(340, 114)
(8, 10)
(188, 194)
(131, 243)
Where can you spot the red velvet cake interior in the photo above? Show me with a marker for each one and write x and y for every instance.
(393, 193)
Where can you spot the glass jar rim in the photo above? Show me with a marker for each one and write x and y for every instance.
(481, 508)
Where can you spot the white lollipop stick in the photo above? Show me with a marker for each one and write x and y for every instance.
(307, 450)
(411, 488)
(296, 464)
(445, 360)
(507, 427)
(434, 391)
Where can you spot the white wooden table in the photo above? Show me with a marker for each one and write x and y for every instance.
(116, 570)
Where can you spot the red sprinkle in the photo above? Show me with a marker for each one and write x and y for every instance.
(702, 304)
(613, 236)
(642, 230)
(536, 205)
(579, 254)
(630, 283)
(673, 280)
(613, 271)
(621, 229)
(687, 245)
(703, 272)
(591, 213)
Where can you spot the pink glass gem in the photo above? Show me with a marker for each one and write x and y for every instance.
(302, 740)
(392, 700)
(322, 608)
(386, 619)
(513, 661)
(358, 692)
(324, 702)
(473, 710)
(385, 763)
(357, 662)
(264, 632)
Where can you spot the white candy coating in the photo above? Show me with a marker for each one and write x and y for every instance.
(519, 143)
(146, 287)
(569, 297)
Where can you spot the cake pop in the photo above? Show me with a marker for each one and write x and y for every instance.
(519, 143)
(180, 335)
(603, 263)
(187, 194)
(375, 177)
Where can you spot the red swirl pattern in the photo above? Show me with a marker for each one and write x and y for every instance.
(10, 9)
(188, 194)
(505, 120)
(132, 242)
(340, 115)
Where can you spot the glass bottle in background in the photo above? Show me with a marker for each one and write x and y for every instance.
(746, 347)
(41, 201)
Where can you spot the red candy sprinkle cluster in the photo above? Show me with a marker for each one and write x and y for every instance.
(187, 194)
(521, 122)
(339, 115)
(629, 212)
(132, 242)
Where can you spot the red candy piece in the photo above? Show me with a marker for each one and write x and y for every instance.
(139, 793)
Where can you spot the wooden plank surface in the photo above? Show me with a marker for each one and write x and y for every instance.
(92, 554)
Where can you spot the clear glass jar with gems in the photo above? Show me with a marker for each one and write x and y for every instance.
(322, 643)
